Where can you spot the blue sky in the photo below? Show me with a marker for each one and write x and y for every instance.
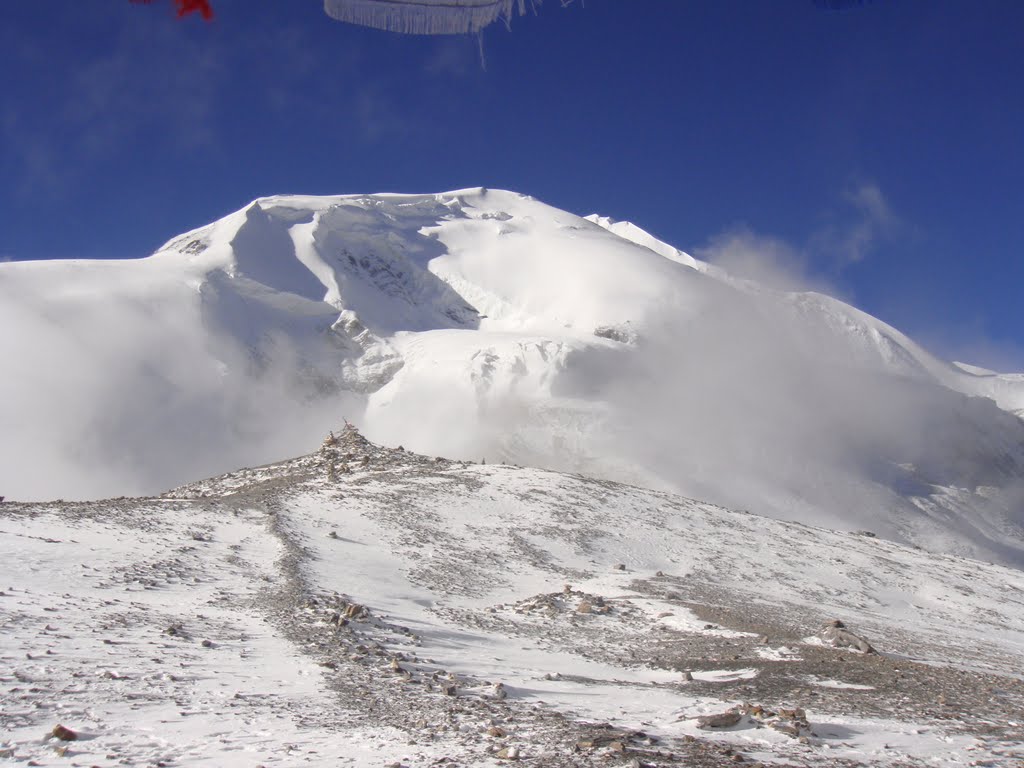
(878, 152)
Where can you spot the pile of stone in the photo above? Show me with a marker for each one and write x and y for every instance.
(837, 635)
(792, 722)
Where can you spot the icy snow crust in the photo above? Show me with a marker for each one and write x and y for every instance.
(483, 323)
(369, 606)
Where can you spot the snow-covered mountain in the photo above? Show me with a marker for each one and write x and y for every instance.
(486, 324)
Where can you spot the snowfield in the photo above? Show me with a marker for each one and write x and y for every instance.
(371, 606)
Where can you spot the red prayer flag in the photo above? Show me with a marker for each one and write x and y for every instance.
(185, 7)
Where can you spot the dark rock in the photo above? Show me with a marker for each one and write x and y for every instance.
(63, 733)
(725, 719)
(837, 635)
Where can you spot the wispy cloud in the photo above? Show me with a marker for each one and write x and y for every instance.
(452, 57)
(377, 114)
(174, 87)
(866, 221)
(767, 260)
(152, 80)
(854, 229)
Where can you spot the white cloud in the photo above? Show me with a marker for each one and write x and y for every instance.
(869, 220)
(764, 259)
(863, 222)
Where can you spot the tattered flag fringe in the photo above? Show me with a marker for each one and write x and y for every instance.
(425, 17)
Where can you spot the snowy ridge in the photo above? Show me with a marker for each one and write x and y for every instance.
(634, 234)
(484, 323)
(365, 605)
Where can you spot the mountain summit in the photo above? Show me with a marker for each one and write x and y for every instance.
(486, 324)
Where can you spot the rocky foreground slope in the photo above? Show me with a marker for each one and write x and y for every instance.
(370, 606)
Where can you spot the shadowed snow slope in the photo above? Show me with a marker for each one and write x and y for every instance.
(484, 323)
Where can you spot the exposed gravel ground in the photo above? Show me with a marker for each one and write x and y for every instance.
(222, 575)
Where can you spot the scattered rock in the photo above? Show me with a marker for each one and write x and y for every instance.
(792, 722)
(207, 643)
(793, 714)
(356, 611)
(726, 719)
(63, 733)
(619, 567)
(497, 732)
(508, 753)
(688, 676)
(584, 607)
(837, 635)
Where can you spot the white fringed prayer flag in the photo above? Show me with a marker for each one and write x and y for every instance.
(426, 17)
